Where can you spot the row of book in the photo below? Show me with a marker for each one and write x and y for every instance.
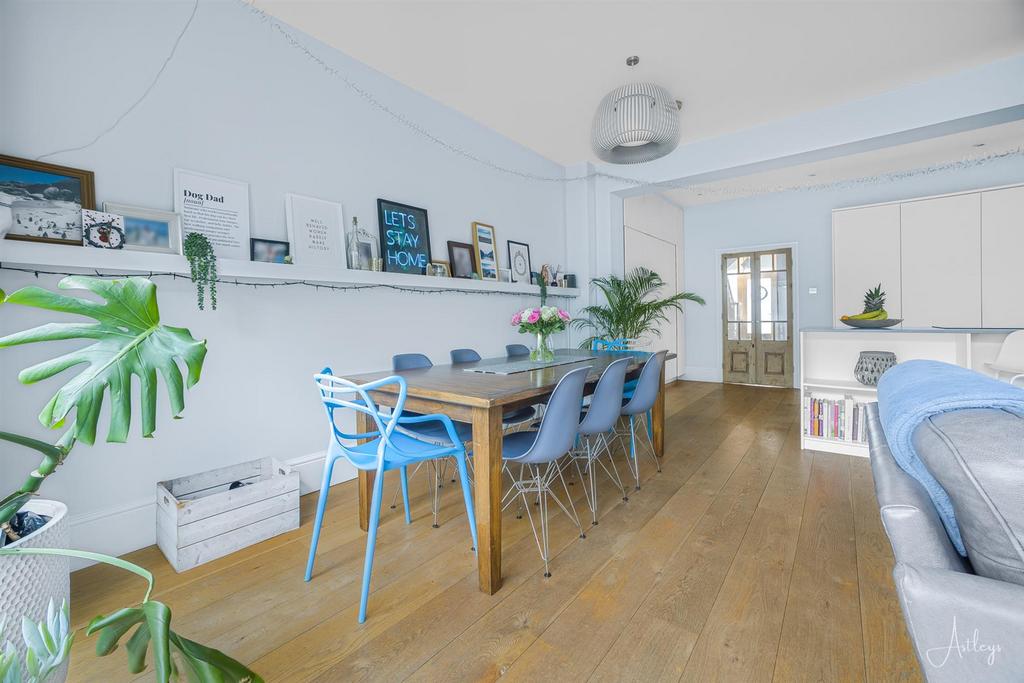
(842, 419)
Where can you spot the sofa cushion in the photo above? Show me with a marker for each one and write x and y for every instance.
(978, 458)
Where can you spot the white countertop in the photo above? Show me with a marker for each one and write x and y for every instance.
(914, 330)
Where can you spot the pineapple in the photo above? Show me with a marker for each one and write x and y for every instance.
(874, 299)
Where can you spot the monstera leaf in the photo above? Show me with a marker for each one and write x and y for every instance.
(128, 339)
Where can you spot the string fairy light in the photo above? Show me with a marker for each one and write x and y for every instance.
(425, 289)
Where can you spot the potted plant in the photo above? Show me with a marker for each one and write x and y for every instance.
(631, 308)
(127, 339)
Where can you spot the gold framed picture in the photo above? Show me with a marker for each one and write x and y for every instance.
(43, 202)
(485, 246)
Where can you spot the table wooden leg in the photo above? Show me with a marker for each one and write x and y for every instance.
(364, 425)
(487, 476)
(658, 417)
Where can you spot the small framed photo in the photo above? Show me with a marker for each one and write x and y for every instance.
(43, 202)
(102, 230)
(462, 258)
(148, 229)
(269, 251)
(519, 262)
(504, 275)
(485, 247)
(439, 269)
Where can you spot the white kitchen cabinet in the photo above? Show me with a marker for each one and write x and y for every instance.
(941, 261)
(865, 253)
(1002, 252)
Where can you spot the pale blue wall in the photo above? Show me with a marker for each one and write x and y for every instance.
(802, 217)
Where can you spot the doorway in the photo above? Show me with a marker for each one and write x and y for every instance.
(659, 255)
(757, 317)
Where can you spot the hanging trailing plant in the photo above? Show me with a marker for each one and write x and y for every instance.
(203, 265)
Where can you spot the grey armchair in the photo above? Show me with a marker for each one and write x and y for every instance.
(964, 627)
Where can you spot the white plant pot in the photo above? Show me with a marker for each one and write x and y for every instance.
(28, 583)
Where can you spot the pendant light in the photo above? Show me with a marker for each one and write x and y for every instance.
(636, 122)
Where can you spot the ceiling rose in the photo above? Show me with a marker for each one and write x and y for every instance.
(636, 122)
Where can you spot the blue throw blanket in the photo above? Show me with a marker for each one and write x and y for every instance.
(915, 390)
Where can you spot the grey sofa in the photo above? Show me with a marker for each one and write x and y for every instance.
(966, 621)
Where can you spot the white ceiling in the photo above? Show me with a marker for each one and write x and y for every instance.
(535, 71)
(865, 167)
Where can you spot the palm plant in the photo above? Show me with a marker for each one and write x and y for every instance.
(631, 307)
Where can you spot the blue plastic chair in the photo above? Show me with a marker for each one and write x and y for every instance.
(381, 450)
(537, 453)
(516, 350)
(511, 419)
(641, 403)
(622, 344)
(599, 420)
(433, 432)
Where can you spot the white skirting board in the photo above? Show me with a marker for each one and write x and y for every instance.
(696, 373)
(124, 528)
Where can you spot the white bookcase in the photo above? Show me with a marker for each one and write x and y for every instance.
(828, 357)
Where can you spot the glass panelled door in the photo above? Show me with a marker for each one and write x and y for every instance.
(757, 318)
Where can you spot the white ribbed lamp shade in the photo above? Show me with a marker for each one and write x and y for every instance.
(635, 123)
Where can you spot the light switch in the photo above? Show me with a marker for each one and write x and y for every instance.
(812, 290)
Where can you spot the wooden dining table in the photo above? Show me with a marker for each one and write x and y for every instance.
(481, 398)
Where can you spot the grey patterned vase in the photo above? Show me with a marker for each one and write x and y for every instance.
(871, 365)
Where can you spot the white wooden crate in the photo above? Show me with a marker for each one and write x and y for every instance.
(198, 519)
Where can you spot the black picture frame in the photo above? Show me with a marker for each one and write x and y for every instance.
(252, 249)
(392, 255)
(458, 267)
(511, 265)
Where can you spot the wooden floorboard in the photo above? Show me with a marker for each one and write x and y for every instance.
(745, 559)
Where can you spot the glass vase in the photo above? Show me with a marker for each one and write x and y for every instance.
(543, 352)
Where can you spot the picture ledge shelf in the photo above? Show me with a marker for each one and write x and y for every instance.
(54, 256)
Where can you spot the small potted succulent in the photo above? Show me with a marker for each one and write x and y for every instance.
(126, 339)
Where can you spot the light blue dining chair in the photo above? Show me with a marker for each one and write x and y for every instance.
(383, 449)
(513, 418)
(538, 453)
(432, 432)
(597, 423)
(641, 404)
(516, 350)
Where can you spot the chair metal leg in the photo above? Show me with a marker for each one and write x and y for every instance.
(435, 502)
(321, 505)
(404, 478)
(394, 498)
(467, 496)
(371, 543)
(632, 452)
(650, 442)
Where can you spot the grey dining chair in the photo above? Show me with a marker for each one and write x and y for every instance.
(638, 407)
(516, 350)
(538, 452)
(513, 418)
(597, 424)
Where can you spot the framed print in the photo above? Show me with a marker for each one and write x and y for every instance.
(404, 237)
(269, 251)
(485, 246)
(504, 275)
(519, 262)
(217, 207)
(148, 229)
(439, 269)
(43, 202)
(102, 230)
(462, 259)
(315, 229)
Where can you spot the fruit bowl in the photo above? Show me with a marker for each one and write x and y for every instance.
(872, 324)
